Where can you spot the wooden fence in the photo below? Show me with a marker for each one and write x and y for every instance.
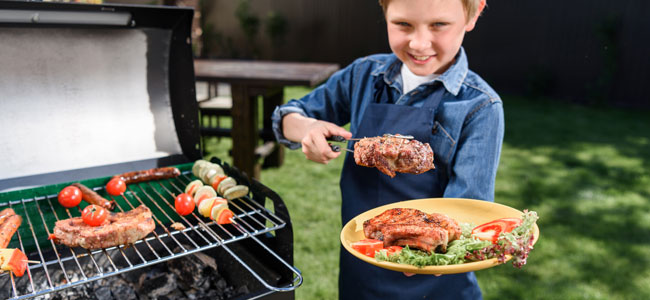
(587, 51)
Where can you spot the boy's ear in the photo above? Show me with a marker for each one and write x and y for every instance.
(472, 22)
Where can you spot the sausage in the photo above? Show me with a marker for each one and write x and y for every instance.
(152, 174)
(8, 228)
(93, 198)
(6, 213)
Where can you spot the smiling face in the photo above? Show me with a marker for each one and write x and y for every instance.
(426, 34)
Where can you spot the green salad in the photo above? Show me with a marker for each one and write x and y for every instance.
(468, 248)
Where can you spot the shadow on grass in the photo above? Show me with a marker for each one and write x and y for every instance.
(586, 172)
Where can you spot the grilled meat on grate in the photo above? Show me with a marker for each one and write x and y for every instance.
(392, 154)
(413, 228)
(118, 229)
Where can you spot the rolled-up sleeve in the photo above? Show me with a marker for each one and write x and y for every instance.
(277, 116)
(328, 102)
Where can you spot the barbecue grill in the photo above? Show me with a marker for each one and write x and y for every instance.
(91, 91)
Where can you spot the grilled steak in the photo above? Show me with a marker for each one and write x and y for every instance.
(391, 154)
(118, 229)
(413, 228)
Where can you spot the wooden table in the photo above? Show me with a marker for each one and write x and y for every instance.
(248, 80)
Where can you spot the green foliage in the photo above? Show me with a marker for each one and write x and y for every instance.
(249, 22)
(584, 170)
(219, 44)
(276, 26)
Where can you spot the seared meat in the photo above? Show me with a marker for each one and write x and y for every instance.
(413, 228)
(392, 154)
(118, 229)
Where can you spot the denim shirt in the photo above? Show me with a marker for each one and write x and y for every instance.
(468, 127)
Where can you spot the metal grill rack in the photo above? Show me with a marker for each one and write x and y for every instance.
(60, 267)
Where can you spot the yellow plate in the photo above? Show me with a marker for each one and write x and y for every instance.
(462, 210)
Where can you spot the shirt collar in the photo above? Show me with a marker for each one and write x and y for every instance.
(452, 79)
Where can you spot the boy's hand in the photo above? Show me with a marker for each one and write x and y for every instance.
(315, 145)
(312, 134)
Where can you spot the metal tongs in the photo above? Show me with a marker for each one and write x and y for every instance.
(340, 139)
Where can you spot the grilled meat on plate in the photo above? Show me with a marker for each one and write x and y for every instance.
(118, 229)
(413, 228)
(393, 154)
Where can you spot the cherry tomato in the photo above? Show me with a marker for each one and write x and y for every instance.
(70, 196)
(94, 215)
(225, 216)
(490, 231)
(116, 186)
(184, 204)
(368, 246)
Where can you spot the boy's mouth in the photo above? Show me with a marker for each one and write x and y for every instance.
(420, 58)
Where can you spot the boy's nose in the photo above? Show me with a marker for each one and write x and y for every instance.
(420, 41)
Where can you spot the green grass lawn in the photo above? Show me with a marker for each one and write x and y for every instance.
(584, 170)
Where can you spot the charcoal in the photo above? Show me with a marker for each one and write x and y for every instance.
(122, 290)
(157, 285)
(193, 271)
(103, 293)
(209, 294)
(242, 290)
(193, 277)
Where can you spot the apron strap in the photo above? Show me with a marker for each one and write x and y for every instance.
(436, 96)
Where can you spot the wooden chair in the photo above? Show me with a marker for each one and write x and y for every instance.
(215, 103)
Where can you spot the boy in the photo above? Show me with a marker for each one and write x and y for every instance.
(424, 89)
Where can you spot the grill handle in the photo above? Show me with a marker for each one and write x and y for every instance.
(297, 279)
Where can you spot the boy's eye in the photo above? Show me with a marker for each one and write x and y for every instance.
(438, 24)
(403, 24)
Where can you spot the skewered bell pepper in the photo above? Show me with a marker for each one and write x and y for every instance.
(13, 260)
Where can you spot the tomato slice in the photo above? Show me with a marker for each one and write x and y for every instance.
(217, 180)
(94, 215)
(390, 250)
(225, 216)
(490, 231)
(116, 186)
(368, 247)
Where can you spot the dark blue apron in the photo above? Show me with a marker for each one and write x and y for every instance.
(365, 188)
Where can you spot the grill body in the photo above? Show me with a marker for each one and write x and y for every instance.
(91, 91)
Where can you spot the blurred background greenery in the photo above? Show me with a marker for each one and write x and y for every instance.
(584, 170)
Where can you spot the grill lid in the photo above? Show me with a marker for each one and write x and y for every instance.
(90, 90)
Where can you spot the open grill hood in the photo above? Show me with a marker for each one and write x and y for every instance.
(80, 92)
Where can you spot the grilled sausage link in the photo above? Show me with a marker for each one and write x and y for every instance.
(152, 174)
(93, 198)
(5, 214)
(8, 228)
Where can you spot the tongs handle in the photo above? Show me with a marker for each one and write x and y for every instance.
(337, 138)
(340, 139)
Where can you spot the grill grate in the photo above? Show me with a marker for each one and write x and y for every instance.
(60, 267)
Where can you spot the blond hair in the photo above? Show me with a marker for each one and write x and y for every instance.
(471, 7)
